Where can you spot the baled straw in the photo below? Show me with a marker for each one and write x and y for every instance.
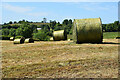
(59, 35)
(87, 30)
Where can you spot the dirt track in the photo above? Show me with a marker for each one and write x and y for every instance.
(60, 59)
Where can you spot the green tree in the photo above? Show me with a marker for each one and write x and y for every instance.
(104, 27)
(109, 27)
(5, 23)
(65, 22)
(70, 21)
(116, 24)
(41, 35)
(34, 28)
(25, 30)
(10, 22)
(22, 22)
(119, 27)
(57, 28)
(15, 22)
(52, 24)
(5, 31)
(15, 26)
(19, 31)
(67, 25)
(12, 32)
(71, 31)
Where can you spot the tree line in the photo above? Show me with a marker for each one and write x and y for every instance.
(111, 27)
(29, 29)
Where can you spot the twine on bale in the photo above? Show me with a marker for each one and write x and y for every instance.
(59, 35)
(87, 30)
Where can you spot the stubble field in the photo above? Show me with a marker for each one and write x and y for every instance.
(60, 59)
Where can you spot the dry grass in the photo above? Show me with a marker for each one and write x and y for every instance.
(60, 59)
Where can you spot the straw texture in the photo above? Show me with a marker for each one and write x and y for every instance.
(18, 41)
(87, 30)
(59, 35)
(51, 39)
(29, 40)
(68, 39)
(12, 38)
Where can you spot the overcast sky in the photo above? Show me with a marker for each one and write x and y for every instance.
(36, 11)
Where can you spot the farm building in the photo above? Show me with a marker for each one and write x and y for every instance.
(38, 28)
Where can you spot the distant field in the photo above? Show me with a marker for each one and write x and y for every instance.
(106, 35)
(38, 24)
(110, 35)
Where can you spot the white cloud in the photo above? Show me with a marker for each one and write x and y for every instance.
(17, 9)
(96, 7)
(24, 10)
(93, 6)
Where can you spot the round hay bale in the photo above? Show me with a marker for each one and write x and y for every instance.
(29, 40)
(59, 35)
(69, 39)
(51, 39)
(19, 41)
(87, 30)
(12, 38)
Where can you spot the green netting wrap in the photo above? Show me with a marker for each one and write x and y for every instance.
(29, 40)
(59, 35)
(87, 30)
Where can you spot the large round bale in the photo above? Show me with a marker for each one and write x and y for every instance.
(87, 30)
(12, 38)
(29, 40)
(59, 35)
(19, 41)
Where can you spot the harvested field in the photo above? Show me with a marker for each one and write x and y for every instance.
(60, 59)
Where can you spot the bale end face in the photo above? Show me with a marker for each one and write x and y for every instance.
(12, 39)
(69, 40)
(51, 39)
(18, 41)
(29, 40)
